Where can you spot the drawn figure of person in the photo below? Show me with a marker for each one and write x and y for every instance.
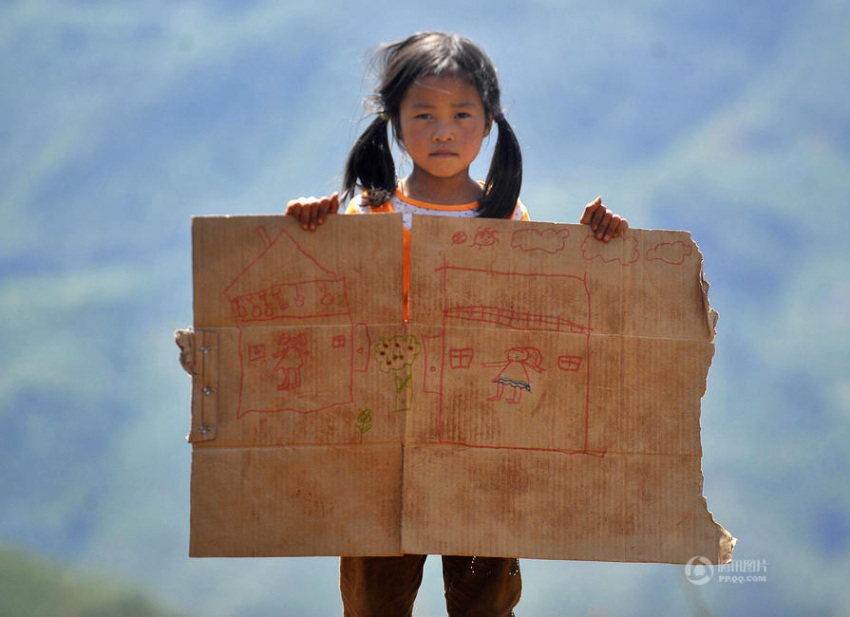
(514, 373)
(290, 356)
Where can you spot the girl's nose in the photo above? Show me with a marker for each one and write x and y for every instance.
(442, 132)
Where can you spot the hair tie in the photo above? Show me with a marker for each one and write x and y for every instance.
(383, 115)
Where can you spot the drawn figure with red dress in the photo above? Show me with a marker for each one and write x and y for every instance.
(514, 373)
(291, 354)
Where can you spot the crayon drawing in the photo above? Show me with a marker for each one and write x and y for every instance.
(515, 343)
(514, 372)
(283, 358)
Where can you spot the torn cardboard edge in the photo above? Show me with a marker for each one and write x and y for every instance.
(453, 474)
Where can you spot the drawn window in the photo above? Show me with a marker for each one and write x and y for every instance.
(338, 342)
(569, 363)
(461, 357)
(256, 353)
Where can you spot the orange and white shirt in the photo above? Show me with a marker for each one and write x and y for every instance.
(407, 207)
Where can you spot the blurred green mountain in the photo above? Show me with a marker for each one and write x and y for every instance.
(36, 587)
(122, 120)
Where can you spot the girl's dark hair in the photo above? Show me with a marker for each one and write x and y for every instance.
(370, 165)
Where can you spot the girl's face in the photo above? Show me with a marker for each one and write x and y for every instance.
(442, 124)
(517, 355)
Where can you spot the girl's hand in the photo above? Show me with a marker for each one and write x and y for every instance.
(605, 224)
(311, 212)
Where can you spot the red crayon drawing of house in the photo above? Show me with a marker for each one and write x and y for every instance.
(283, 361)
(552, 311)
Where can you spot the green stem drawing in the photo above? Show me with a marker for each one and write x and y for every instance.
(395, 355)
(364, 422)
(404, 390)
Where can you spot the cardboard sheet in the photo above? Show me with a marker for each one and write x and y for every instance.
(543, 401)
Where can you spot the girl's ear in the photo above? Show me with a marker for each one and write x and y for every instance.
(488, 125)
(395, 128)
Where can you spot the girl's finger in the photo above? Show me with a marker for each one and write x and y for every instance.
(598, 216)
(602, 228)
(619, 225)
(327, 206)
(313, 215)
(589, 210)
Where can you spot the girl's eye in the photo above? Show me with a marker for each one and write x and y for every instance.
(422, 117)
(463, 114)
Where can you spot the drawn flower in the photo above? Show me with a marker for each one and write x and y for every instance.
(396, 353)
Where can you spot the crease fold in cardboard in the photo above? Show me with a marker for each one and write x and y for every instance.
(542, 401)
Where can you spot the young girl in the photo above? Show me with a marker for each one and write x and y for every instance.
(439, 95)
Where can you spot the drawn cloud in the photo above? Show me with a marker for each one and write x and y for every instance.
(550, 240)
(673, 253)
(622, 250)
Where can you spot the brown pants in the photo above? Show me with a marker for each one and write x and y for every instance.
(387, 586)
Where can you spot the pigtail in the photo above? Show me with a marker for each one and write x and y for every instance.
(504, 179)
(370, 165)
